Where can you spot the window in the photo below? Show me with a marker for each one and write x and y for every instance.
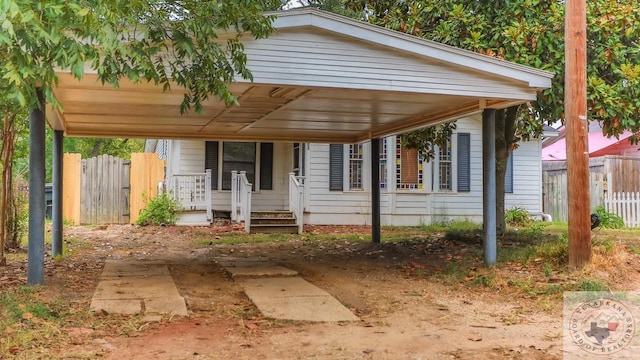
(409, 168)
(239, 156)
(445, 173)
(383, 164)
(356, 162)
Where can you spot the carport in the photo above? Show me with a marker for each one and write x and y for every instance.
(320, 78)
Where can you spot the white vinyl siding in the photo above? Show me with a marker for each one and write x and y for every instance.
(333, 61)
(191, 155)
(324, 206)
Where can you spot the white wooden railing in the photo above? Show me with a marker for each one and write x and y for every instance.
(626, 205)
(193, 191)
(296, 198)
(241, 199)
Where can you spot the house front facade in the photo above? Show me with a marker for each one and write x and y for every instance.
(337, 182)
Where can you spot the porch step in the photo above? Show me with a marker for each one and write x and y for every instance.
(193, 218)
(281, 222)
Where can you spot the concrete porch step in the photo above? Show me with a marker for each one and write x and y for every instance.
(193, 218)
(283, 222)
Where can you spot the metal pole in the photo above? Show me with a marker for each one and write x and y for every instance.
(375, 191)
(37, 204)
(489, 186)
(56, 211)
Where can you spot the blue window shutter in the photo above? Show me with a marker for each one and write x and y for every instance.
(211, 162)
(508, 176)
(336, 159)
(266, 166)
(464, 162)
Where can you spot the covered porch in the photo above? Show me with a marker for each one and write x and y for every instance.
(321, 78)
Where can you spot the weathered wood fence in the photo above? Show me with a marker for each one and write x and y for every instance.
(608, 175)
(104, 190)
(109, 190)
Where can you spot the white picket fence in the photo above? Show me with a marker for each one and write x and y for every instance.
(626, 205)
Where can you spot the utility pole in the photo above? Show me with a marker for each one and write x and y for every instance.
(577, 127)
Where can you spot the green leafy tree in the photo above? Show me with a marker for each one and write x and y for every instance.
(169, 43)
(531, 32)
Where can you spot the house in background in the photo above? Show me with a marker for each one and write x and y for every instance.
(555, 148)
(614, 172)
(336, 182)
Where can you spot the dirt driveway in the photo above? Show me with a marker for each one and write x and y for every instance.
(405, 313)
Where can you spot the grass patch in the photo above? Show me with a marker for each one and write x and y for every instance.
(589, 284)
(33, 321)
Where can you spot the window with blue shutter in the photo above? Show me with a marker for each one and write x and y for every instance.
(508, 176)
(336, 159)
(464, 162)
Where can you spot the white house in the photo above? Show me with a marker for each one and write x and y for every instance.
(337, 181)
(326, 79)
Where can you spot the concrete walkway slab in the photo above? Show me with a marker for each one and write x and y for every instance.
(253, 267)
(135, 287)
(293, 298)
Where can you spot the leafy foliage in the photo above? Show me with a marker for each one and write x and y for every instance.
(518, 217)
(161, 210)
(609, 220)
(164, 42)
(531, 32)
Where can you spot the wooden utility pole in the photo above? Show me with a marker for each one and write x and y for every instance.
(577, 129)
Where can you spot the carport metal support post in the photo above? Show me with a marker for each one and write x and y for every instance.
(56, 210)
(37, 204)
(375, 190)
(489, 186)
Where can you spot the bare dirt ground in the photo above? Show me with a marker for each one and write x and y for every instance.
(405, 312)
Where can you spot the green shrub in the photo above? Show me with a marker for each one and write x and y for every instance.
(609, 220)
(517, 217)
(161, 210)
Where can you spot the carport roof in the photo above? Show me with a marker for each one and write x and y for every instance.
(320, 78)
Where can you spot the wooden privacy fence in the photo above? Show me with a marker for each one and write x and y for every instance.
(109, 190)
(104, 190)
(626, 205)
(608, 175)
(147, 170)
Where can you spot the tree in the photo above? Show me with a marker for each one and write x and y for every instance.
(169, 43)
(531, 32)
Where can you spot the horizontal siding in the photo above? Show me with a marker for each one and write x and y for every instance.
(398, 208)
(192, 153)
(417, 208)
(527, 178)
(323, 60)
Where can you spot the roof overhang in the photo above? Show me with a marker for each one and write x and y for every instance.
(320, 78)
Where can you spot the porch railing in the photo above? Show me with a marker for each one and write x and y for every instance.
(193, 191)
(296, 198)
(241, 199)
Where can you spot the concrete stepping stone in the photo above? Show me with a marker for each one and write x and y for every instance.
(280, 294)
(293, 298)
(253, 267)
(128, 287)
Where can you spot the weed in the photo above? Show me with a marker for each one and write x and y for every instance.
(454, 272)
(161, 210)
(588, 284)
(609, 220)
(548, 269)
(486, 280)
(518, 217)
